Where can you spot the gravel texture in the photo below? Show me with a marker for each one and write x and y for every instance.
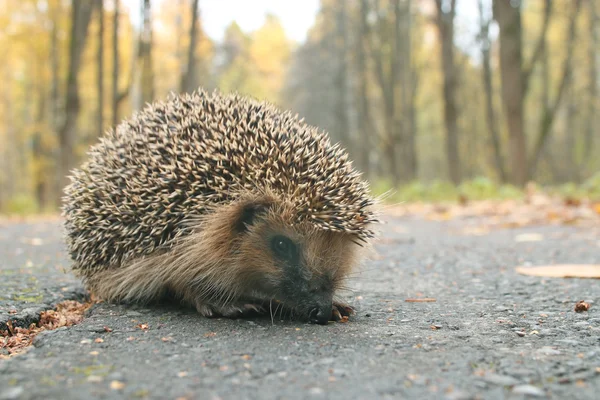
(491, 334)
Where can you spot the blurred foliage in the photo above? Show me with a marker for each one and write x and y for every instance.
(303, 77)
(21, 205)
(480, 188)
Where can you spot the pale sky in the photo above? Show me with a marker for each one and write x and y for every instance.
(297, 16)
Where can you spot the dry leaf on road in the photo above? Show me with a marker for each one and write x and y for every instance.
(562, 271)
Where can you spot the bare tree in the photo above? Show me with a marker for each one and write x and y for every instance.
(365, 126)
(386, 52)
(100, 61)
(407, 79)
(341, 76)
(591, 125)
(387, 83)
(515, 78)
(38, 149)
(81, 11)
(117, 96)
(115, 71)
(485, 43)
(143, 88)
(189, 80)
(445, 24)
(54, 92)
(550, 110)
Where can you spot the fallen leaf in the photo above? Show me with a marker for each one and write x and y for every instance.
(99, 340)
(210, 334)
(143, 327)
(107, 329)
(182, 374)
(117, 385)
(529, 237)
(582, 306)
(562, 271)
(425, 300)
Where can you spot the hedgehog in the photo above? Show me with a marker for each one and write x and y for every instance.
(226, 203)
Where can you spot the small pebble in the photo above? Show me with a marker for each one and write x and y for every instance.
(529, 390)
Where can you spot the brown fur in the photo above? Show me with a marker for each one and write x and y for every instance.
(219, 270)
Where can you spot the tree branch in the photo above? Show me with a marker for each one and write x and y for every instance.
(539, 47)
(550, 111)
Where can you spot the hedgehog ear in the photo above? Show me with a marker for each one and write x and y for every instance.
(249, 213)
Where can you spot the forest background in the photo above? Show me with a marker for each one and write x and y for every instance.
(426, 104)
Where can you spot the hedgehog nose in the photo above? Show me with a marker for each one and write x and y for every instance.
(319, 315)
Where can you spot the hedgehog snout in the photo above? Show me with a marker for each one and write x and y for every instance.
(320, 314)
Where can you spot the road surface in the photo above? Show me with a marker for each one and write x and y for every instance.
(490, 334)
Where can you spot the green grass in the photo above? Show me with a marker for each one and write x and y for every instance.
(480, 188)
(20, 205)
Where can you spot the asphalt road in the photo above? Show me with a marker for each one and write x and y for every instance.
(491, 334)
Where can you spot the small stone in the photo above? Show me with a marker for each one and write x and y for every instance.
(501, 380)
(134, 314)
(569, 341)
(12, 393)
(458, 395)
(520, 333)
(315, 391)
(117, 385)
(519, 372)
(529, 390)
(94, 379)
(548, 351)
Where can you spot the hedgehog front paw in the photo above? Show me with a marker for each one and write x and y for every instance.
(235, 310)
(341, 310)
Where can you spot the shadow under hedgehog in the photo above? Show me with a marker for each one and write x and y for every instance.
(223, 201)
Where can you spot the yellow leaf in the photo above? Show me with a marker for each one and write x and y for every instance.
(117, 385)
(562, 271)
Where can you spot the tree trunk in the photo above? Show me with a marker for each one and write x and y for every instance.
(412, 125)
(549, 113)
(386, 83)
(591, 125)
(568, 150)
(341, 77)
(445, 25)
(364, 122)
(54, 95)
(39, 152)
(403, 91)
(115, 51)
(408, 106)
(100, 55)
(189, 80)
(513, 89)
(147, 76)
(489, 93)
(81, 11)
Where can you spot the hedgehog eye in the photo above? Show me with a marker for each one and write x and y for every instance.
(283, 247)
(248, 216)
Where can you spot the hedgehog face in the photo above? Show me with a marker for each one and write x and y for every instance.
(296, 264)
